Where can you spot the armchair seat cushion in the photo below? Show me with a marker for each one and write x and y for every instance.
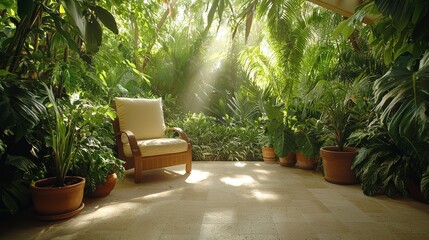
(158, 146)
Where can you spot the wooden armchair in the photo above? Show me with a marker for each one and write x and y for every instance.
(140, 137)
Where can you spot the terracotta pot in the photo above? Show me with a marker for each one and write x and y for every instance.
(269, 155)
(303, 162)
(288, 161)
(102, 190)
(55, 203)
(337, 165)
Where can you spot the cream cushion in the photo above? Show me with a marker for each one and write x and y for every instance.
(160, 146)
(143, 117)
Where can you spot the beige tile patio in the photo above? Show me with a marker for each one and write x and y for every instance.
(229, 200)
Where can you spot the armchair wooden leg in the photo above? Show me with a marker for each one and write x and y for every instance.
(138, 171)
(189, 166)
(189, 161)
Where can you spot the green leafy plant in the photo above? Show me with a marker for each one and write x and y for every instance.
(94, 164)
(396, 150)
(95, 158)
(216, 141)
(307, 137)
(63, 140)
(402, 97)
(21, 112)
(330, 98)
(15, 178)
(383, 163)
(280, 129)
(397, 27)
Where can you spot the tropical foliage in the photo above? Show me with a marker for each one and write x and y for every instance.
(233, 74)
(218, 142)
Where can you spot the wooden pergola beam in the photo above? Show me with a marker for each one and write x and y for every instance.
(344, 7)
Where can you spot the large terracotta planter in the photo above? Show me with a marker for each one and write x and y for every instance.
(337, 165)
(269, 155)
(288, 161)
(303, 162)
(56, 203)
(103, 190)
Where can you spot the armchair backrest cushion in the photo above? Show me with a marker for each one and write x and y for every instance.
(143, 117)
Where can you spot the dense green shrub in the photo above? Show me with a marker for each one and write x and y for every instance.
(219, 142)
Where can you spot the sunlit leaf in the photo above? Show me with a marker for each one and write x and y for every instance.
(249, 21)
(212, 12)
(74, 11)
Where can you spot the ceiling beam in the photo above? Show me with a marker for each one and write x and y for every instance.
(344, 7)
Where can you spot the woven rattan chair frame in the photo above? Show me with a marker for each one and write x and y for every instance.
(140, 163)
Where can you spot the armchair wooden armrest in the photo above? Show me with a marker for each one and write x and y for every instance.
(135, 150)
(179, 131)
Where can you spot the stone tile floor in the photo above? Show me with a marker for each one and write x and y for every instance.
(232, 200)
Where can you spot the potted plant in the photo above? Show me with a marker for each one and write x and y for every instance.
(100, 168)
(331, 99)
(284, 141)
(394, 153)
(268, 153)
(280, 129)
(95, 160)
(308, 144)
(61, 196)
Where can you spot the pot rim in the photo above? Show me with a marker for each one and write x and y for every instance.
(33, 184)
(334, 149)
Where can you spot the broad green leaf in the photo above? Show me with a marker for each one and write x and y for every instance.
(66, 37)
(347, 32)
(93, 35)
(400, 11)
(404, 15)
(20, 162)
(249, 21)
(405, 48)
(20, 191)
(5, 4)
(221, 8)
(25, 8)
(60, 32)
(4, 72)
(387, 56)
(106, 18)
(344, 28)
(74, 11)
(418, 10)
(212, 12)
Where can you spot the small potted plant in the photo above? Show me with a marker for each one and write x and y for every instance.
(308, 144)
(59, 197)
(280, 127)
(285, 141)
(101, 169)
(332, 100)
(268, 153)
